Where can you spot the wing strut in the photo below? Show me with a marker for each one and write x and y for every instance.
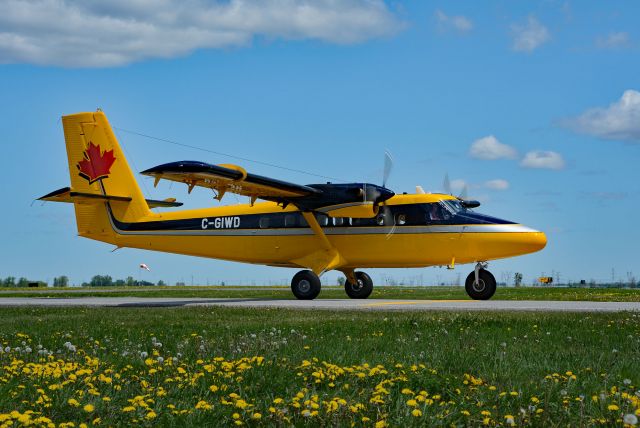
(325, 258)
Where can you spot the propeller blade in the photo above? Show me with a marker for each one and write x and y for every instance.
(388, 219)
(446, 184)
(464, 192)
(388, 165)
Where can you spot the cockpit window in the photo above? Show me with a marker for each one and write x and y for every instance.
(454, 206)
(437, 212)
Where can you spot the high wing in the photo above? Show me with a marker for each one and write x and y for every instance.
(229, 178)
(359, 199)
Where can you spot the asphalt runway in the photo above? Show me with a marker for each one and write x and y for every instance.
(333, 304)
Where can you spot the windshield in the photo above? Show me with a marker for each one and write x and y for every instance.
(454, 206)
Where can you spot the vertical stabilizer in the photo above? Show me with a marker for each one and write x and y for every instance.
(97, 165)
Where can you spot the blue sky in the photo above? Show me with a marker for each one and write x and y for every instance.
(535, 106)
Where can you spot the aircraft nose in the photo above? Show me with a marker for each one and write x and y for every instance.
(538, 240)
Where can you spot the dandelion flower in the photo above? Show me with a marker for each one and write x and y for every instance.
(613, 407)
(88, 408)
(416, 412)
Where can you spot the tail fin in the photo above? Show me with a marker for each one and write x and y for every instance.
(97, 166)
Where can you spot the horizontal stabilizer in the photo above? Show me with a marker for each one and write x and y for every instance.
(66, 194)
(165, 203)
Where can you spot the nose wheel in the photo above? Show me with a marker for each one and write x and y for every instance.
(305, 285)
(361, 288)
(480, 284)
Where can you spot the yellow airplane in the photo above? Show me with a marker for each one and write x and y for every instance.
(317, 227)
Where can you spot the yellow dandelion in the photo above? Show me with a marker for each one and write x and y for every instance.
(88, 408)
(416, 412)
(613, 407)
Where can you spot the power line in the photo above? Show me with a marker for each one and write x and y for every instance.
(190, 146)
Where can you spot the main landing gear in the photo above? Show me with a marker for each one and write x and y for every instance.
(480, 284)
(305, 285)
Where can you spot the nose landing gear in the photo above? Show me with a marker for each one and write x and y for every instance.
(480, 284)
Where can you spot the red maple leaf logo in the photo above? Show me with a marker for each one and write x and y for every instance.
(95, 165)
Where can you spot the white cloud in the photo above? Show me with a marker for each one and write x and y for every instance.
(458, 23)
(527, 37)
(613, 41)
(543, 160)
(619, 121)
(489, 148)
(94, 33)
(497, 184)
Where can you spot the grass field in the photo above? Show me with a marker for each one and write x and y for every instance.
(224, 366)
(333, 292)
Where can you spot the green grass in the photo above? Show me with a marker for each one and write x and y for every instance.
(537, 369)
(427, 293)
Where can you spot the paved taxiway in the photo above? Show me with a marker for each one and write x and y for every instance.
(335, 304)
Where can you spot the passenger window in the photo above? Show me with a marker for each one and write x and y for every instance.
(323, 219)
(338, 221)
(290, 220)
(401, 219)
(264, 222)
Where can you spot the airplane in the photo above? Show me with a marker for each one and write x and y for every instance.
(316, 227)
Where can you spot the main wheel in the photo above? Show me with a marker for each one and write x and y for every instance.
(305, 285)
(361, 289)
(484, 288)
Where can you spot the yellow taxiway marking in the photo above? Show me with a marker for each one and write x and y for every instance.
(415, 302)
(392, 303)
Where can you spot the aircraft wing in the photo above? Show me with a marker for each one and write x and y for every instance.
(229, 178)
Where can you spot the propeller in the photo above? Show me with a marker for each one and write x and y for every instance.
(386, 211)
(388, 166)
(464, 193)
(446, 184)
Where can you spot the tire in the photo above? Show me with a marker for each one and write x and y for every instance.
(362, 289)
(305, 285)
(486, 287)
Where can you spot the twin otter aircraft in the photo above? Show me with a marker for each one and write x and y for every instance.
(317, 227)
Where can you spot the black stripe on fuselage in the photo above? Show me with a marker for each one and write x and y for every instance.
(414, 215)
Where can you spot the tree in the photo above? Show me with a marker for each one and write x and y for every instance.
(517, 279)
(22, 282)
(119, 283)
(101, 281)
(130, 281)
(161, 283)
(9, 281)
(341, 281)
(61, 281)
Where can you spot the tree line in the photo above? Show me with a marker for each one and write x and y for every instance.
(63, 281)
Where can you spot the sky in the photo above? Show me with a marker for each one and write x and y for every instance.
(534, 106)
